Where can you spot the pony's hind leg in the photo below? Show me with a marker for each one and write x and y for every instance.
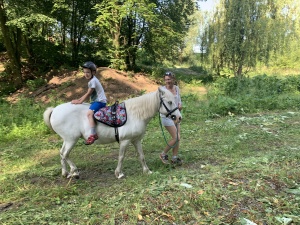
(64, 156)
(123, 146)
(138, 146)
(64, 170)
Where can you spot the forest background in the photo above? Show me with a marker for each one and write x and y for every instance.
(232, 39)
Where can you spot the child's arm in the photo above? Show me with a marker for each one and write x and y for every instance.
(84, 97)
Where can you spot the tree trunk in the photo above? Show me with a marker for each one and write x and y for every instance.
(239, 72)
(12, 42)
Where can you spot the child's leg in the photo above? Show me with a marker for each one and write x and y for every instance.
(92, 123)
(95, 106)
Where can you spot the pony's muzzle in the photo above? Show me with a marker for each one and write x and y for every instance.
(174, 118)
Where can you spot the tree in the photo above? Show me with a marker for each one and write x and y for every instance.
(158, 27)
(165, 36)
(12, 43)
(243, 33)
(75, 19)
(123, 26)
(22, 23)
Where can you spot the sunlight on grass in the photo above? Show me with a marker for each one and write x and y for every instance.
(275, 71)
(19, 165)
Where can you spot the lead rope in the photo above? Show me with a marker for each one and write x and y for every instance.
(160, 123)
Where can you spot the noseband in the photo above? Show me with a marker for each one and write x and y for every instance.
(173, 117)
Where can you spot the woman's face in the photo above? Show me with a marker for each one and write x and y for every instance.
(169, 80)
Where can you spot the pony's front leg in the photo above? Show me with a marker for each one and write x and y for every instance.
(64, 155)
(138, 146)
(123, 147)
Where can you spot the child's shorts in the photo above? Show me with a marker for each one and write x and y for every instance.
(95, 106)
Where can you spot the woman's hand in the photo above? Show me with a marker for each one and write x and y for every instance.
(179, 107)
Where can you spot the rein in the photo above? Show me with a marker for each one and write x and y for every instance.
(162, 130)
(173, 117)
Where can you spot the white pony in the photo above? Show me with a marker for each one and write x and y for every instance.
(70, 122)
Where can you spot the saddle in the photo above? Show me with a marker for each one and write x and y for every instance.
(113, 116)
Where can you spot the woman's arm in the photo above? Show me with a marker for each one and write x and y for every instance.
(179, 98)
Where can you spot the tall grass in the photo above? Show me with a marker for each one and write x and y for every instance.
(253, 94)
(22, 119)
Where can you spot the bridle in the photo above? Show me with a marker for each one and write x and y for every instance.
(173, 117)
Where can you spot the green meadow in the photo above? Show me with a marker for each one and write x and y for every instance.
(241, 163)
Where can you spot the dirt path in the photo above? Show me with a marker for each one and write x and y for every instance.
(118, 85)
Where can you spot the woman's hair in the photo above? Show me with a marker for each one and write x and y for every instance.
(170, 74)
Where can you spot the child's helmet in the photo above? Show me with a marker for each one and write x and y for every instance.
(90, 65)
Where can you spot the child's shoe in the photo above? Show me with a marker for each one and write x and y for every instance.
(92, 138)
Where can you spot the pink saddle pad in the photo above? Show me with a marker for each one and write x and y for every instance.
(114, 115)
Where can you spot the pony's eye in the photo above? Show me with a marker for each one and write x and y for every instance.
(170, 103)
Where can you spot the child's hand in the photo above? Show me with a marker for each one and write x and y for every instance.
(76, 101)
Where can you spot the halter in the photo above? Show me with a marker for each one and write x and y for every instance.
(173, 117)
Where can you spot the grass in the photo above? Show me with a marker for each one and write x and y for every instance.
(236, 168)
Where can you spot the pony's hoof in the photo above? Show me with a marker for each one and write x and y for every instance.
(65, 174)
(121, 175)
(147, 171)
(76, 176)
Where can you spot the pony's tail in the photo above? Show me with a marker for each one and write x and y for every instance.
(47, 115)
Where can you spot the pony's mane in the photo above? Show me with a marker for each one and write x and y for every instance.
(145, 106)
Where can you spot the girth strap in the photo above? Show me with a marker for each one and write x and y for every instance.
(113, 113)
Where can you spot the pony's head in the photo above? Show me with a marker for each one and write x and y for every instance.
(168, 106)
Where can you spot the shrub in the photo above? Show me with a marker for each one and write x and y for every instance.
(34, 84)
(222, 105)
(247, 94)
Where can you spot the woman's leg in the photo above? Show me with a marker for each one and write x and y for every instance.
(175, 139)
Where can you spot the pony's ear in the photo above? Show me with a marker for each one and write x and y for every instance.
(161, 91)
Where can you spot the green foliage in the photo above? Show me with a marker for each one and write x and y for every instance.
(21, 120)
(48, 56)
(25, 22)
(195, 75)
(6, 87)
(143, 28)
(259, 93)
(158, 73)
(34, 84)
(242, 33)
